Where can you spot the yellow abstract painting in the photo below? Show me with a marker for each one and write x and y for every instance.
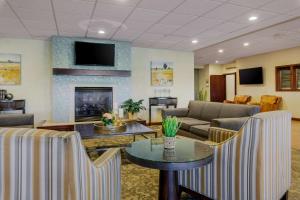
(161, 73)
(10, 69)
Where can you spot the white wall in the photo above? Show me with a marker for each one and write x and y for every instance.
(183, 87)
(35, 85)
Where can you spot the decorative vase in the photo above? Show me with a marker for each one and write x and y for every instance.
(132, 116)
(169, 154)
(169, 142)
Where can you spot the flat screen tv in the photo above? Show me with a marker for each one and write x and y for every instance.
(94, 54)
(251, 76)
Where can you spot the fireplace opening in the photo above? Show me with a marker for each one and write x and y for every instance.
(92, 102)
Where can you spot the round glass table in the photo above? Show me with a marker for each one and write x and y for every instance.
(187, 154)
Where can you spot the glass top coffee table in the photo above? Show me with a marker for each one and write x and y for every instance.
(187, 154)
(88, 131)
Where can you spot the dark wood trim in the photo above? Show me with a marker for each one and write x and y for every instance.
(295, 119)
(154, 123)
(193, 193)
(89, 72)
(293, 68)
(58, 127)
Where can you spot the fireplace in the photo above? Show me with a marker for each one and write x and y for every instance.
(92, 102)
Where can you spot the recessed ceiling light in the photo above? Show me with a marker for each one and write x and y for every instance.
(252, 18)
(246, 44)
(217, 61)
(101, 32)
(195, 41)
(221, 50)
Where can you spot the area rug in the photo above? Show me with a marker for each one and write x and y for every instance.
(142, 183)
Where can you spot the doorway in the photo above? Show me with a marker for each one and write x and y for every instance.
(230, 86)
(222, 87)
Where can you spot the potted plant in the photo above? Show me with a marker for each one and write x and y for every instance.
(110, 124)
(170, 129)
(132, 108)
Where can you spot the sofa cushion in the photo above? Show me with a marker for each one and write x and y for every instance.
(211, 111)
(200, 130)
(16, 120)
(195, 109)
(187, 122)
(237, 110)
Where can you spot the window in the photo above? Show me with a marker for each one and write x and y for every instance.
(288, 78)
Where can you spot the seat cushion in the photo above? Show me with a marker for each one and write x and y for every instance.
(187, 122)
(195, 109)
(200, 130)
(237, 110)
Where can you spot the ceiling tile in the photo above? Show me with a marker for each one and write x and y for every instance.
(227, 11)
(146, 15)
(229, 27)
(262, 15)
(197, 27)
(120, 2)
(41, 5)
(252, 3)
(127, 35)
(197, 7)
(281, 6)
(150, 37)
(136, 25)
(159, 4)
(12, 26)
(112, 12)
(162, 29)
(177, 19)
(74, 6)
(173, 39)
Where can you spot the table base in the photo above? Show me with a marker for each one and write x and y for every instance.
(168, 185)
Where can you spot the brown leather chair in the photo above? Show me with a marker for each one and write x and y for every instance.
(268, 103)
(240, 99)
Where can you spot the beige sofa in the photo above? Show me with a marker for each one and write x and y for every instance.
(201, 115)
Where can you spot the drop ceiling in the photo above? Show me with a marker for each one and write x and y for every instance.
(168, 24)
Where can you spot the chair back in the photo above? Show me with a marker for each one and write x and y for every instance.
(242, 99)
(270, 103)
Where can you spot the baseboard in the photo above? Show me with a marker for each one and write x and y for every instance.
(154, 123)
(295, 119)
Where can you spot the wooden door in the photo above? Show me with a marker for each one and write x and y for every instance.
(217, 88)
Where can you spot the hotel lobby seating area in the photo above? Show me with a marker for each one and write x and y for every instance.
(149, 99)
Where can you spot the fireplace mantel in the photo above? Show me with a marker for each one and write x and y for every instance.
(89, 72)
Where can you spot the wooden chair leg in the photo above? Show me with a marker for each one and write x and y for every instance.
(179, 191)
(285, 196)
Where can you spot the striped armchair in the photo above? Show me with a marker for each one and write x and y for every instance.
(251, 164)
(47, 165)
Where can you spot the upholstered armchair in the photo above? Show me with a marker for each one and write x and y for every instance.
(251, 164)
(268, 103)
(239, 99)
(45, 164)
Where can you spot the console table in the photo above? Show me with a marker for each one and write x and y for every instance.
(161, 101)
(7, 105)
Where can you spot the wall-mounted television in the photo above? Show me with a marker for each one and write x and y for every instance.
(251, 76)
(94, 54)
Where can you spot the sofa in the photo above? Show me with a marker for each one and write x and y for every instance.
(253, 163)
(268, 103)
(17, 120)
(201, 115)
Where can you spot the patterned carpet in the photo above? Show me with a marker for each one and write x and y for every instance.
(142, 183)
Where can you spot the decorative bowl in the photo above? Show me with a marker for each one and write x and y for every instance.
(109, 129)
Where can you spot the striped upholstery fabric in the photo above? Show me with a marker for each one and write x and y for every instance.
(50, 165)
(219, 135)
(255, 164)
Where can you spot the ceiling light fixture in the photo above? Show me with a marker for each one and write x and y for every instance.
(220, 50)
(101, 32)
(217, 61)
(195, 41)
(252, 18)
(246, 44)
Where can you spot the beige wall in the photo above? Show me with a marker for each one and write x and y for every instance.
(269, 61)
(183, 87)
(35, 85)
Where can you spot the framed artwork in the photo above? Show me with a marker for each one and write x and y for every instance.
(161, 73)
(10, 69)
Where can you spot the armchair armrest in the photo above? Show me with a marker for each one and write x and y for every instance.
(108, 176)
(178, 112)
(254, 103)
(229, 123)
(219, 135)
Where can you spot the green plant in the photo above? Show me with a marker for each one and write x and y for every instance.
(108, 119)
(171, 126)
(202, 94)
(130, 106)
